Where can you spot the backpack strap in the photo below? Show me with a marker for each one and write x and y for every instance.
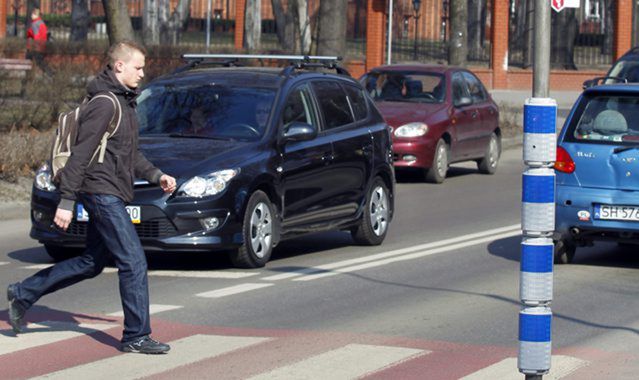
(114, 125)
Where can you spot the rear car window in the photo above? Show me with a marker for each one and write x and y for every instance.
(333, 103)
(606, 119)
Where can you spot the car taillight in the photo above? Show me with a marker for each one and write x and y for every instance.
(564, 162)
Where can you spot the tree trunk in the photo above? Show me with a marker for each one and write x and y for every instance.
(608, 27)
(150, 23)
(458, 45)
(564, 34)
(304, 26)
(475, 29)
(285, 23)
(118, 21)
(529, 35)
(331, 34)
(253, 25)
(80, 20)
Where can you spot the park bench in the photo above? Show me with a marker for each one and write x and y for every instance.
(15, 67)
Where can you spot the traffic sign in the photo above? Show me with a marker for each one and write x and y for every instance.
(559, 5)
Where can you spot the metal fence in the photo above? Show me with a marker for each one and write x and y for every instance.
(581, 38)
(422, 34)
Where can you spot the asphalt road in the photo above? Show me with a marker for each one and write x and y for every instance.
(439, 299)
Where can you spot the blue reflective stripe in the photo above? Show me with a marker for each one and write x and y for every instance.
(534, 328)
(540, 119)
(536, 258)
(538, 189)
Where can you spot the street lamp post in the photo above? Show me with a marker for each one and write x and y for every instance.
(416, 4)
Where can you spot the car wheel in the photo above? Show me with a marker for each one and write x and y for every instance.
(488, 164)
(258, 230)
(59, 253)
(376, 218)
(437, 172)
(564, 252)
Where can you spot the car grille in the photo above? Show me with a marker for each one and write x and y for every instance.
(157, 228)
(395, 157)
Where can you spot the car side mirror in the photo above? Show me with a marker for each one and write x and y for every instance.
(298, 131)
(463, 102)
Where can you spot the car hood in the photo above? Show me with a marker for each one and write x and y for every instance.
(189, 156)
(399, 113)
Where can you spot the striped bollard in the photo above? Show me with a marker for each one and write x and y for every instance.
(537, 248)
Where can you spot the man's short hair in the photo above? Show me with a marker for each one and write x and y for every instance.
(36, 12)
(122, 51)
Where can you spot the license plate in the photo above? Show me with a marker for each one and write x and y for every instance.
(81, 214)
(611, 212)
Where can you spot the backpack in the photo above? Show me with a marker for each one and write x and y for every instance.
(66, 133)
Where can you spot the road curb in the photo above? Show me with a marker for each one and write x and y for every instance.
(14, 210)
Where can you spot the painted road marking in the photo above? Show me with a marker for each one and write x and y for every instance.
(411, 256)
(202, 274)
(348, 362)
(383, 255)
(153, 308)
(45, 266)
(232, 290)
(4, 262)
(47, 332)
(183, 352)
(507, 369)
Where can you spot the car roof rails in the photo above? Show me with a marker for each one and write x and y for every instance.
(295, 61)
(633, 50)
(599, 80)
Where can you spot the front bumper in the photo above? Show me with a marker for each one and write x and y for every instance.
(575, 215)
(170, 226)
(413, 153)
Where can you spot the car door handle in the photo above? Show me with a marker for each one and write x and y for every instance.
(367, 150)
(327, 157)
(474, 114)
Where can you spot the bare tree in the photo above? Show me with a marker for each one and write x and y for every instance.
(608, 27)
(564, 35)
(303, 25)
(253, 25)
(80, 20)
(331, 33)
(293, 25)
(160, 24)
(118, 20)
(475, 27)
(458, 44)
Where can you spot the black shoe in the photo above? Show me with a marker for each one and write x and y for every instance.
(145, 345)
(16, 310)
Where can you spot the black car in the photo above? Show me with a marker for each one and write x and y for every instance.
(260, 154)
(624, 70)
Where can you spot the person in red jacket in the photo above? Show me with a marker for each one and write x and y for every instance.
(37, 40)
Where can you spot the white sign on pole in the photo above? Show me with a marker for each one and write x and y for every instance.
(559, 5)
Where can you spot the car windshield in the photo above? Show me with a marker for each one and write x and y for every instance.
(204, 111)
(609, 119)
(628, 70)
(405, 86)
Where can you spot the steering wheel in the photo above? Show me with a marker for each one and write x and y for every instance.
(247, 127)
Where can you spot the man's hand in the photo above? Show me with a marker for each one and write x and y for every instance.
(63, 218)
(167, 183)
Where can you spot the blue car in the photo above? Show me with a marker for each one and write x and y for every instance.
(597, 168)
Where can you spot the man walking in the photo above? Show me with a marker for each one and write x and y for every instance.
(37, 36)
(104, 189)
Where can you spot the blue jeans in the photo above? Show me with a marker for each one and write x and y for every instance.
(109, 230)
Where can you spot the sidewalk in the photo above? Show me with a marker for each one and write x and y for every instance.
(517, 98)
(14, 210)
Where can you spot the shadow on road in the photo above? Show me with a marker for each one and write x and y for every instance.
(417, 176)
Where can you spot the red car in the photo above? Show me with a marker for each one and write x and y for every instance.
(439, 115)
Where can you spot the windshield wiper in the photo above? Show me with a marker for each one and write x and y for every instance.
(187, 136)
(624, 148)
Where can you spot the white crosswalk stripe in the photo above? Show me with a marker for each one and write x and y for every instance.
(153, 309)
(231, 290)
(185, 351)
(202, 274)
(47, 332)
(348, 362)
(44, 266)
(506, 369)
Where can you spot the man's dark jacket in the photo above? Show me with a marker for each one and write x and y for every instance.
(122, 162)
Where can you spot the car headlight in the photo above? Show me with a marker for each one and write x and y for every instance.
(43, 177)
(411, 130)
(210, 184)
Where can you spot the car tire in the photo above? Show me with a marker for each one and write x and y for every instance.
(437, 172)
(258, 232)
(488, 164)
(375, 220)
(59, 253)
(564, 252)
